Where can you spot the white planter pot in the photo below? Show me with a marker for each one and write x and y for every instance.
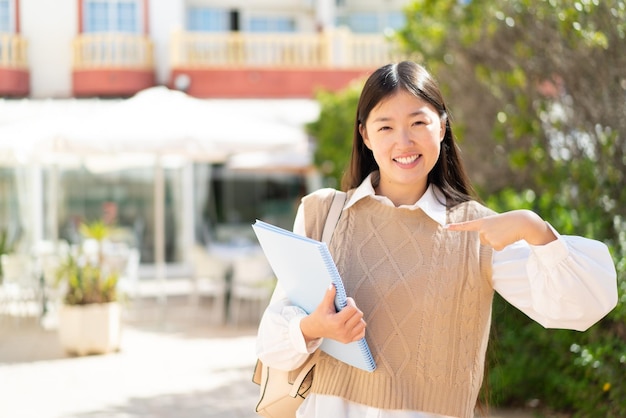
(90, 329)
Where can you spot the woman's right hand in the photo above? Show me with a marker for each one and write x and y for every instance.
(344, 326)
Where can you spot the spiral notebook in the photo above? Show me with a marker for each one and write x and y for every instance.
(304, 268)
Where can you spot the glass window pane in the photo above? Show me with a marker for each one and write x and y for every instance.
(364, 23)
(11, 218)
(257, 25)
(236, 199)
(112, 16)
(271, 24)
(96, 16)
(204, 19)
(5, 16)
(127, 17)
(396, 20)
(125, 199)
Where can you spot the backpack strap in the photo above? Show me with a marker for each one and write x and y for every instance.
(334, 213)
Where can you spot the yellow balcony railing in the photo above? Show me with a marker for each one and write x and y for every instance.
(113, 50)
(333, 49)
(13, 51)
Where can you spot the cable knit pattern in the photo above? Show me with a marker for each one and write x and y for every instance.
(426, 294)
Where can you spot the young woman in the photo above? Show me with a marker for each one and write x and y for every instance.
(421, 259)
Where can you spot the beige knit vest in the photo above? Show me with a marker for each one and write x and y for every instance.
(426, 294)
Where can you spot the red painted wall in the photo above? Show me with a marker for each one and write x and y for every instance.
(264, 83)
(111, 83)
(14, 83)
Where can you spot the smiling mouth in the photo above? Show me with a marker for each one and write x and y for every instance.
(407, 160)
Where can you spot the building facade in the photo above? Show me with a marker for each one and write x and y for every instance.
(80, 56)
(209, 48)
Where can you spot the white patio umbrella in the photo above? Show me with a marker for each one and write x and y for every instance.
(168, 122)
(156, 123)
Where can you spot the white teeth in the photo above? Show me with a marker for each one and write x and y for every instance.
(406, 160)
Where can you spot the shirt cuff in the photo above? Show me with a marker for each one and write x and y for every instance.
(297, 339)
(552, 253)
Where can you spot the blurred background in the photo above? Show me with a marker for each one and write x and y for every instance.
(139, 139)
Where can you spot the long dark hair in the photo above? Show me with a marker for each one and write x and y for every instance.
(448, 173)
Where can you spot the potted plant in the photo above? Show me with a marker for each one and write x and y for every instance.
(90, 316)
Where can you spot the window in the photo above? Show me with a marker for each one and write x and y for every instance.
(6, 16)
(395, 20)
(204, 19)
(271, 24)
(88, 196)
(363, 22)
(370, 22)
(112, 16)
(236, 199)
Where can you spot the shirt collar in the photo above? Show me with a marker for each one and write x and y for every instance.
(430, 202)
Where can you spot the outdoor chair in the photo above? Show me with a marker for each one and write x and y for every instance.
(20, 293)
(128, 282)
(252, 285)
(48, 257)
(210, 281)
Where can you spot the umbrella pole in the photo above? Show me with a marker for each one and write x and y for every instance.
(159, 234)
(36, 178)
(53, 204)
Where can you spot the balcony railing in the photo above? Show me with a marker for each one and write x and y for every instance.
(13, 51)
(113, 50)
(334, 49)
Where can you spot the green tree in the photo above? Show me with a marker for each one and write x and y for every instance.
(333, 131)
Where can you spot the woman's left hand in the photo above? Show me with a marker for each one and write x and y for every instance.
(504, 229)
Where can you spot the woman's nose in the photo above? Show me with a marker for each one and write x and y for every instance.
(406, 137)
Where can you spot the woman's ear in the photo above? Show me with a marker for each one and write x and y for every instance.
(363, 133)
(443, 130)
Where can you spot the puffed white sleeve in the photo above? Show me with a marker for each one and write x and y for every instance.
(570, 283)
(280, 343)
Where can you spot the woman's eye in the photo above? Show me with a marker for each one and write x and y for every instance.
(384, 128)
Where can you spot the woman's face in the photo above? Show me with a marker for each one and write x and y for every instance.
(404, 133)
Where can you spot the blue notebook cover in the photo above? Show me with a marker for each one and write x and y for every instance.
(304, 268)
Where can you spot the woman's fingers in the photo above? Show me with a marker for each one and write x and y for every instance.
(497, 231)
(474, 225)
(353, 323)
(345, 326)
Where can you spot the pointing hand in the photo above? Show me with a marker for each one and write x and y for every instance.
(504, 229)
